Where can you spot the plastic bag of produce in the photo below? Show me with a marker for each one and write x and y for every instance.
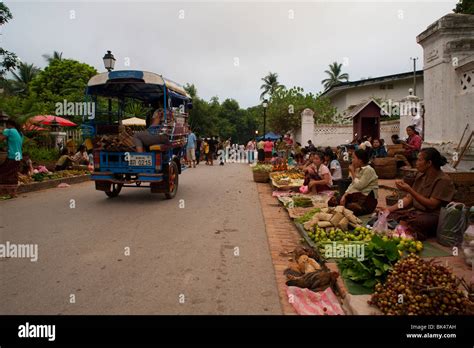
(452, 224)
(381, 224)
(304, 189)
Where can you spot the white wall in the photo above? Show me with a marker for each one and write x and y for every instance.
(448, 57)
(357, 95)
(334, 135)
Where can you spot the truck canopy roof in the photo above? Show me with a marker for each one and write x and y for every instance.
(142, 85)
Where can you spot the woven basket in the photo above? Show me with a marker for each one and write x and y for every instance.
(463, 178)
(392, 150)
(386, 168)
(3, 157)
(260, 176)
(464, 184)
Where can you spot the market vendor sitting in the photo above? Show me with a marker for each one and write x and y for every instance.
(81, 157)
(318, 177)
(412, 146)
(152, 135)
(361, 195)
(419, 211)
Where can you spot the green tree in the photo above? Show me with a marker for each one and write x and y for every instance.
(284, 111)
(465, 7)
(62, 80)
(8, 60)
(335, 76)
(191, 90)
(22, 77)
(271, 85)
(55, 56)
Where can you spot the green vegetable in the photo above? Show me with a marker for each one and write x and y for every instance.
(308, 216)
(303, 202)
(379, 258)
(262, 168)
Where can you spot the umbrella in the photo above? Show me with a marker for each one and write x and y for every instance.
(31, 127)
(270, 136)
(50, 119)
(134, 121)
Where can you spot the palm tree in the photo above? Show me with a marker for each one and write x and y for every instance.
(22, 77)
(271, 84)
(56, 56)
(335, 76)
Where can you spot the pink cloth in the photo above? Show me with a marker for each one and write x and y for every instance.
(307, 302)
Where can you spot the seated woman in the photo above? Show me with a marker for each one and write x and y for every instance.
(152, 135)
(319, 175)
(412, 146)
(330, 160)
(81, 156)
(64, 162)
(432, 189)
(361, 195)
(378, 150)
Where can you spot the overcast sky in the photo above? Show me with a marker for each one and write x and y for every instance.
(225, 48)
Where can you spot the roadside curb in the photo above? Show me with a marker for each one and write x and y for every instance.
(43, 185)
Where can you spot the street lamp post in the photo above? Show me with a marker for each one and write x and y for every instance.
(109, 63)
(265, 105)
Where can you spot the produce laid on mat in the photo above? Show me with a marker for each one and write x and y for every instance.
(419, 287)
(305, 272)
(260, 167)
(378, 258)
(292, 178)
(43, 176)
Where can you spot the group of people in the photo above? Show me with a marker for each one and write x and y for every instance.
(377, 148)
(69, 158)
(419, 210)
(199, 149)
(282, 147)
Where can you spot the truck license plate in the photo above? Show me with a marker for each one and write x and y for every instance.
(140, 160)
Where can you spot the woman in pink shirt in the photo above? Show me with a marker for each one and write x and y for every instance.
(268, 148)
(413, 144)
(321, 180)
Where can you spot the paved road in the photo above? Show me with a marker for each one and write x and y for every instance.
(176, 254)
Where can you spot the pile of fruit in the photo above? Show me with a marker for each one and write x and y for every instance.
(362, 234)
(320, 235)
(262, 168)
(418, 287)
(280, 165)
(53, 175)
(406, 244)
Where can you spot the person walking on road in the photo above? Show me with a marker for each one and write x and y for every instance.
(10, 168)
(191, 149)
(198, 149)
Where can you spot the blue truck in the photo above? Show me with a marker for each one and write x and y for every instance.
(120, 165)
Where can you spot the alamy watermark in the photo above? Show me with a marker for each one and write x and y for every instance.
(230, 155)
(84, 109)
(392, 108)
(37, 331)
(11, 250)
(336, 250)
